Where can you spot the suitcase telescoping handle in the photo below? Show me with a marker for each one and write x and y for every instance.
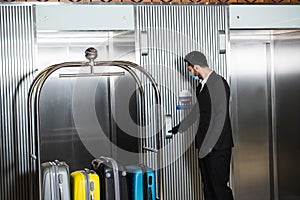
(150, 194)
(116, 176)
(96, 163)
(92, 189)
(61, 191)
(61, 194)
(57, 180)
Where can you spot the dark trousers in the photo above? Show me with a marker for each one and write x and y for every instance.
(215, 170)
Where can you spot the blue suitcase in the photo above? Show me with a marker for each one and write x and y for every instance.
(141, 182)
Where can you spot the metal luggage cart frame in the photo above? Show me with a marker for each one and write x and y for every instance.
(33, 111)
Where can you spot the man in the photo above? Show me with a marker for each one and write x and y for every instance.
(214, 135)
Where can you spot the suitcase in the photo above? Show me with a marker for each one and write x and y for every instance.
(113, 179)
(85, 185)
(55, 181)
(141, 182)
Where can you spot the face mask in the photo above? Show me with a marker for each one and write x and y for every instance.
(194, 77)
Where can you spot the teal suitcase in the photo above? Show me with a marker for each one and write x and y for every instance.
(141, 182)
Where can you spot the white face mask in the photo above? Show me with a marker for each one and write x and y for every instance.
(194, 77)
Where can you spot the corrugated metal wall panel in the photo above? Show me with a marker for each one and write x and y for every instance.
(17, 50)
(173, 31)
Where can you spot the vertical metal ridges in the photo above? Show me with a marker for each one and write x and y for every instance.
(173, 31)
(17, 50)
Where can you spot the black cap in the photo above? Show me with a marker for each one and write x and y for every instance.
(196, 58)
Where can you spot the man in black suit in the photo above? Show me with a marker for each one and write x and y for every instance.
(214, 135)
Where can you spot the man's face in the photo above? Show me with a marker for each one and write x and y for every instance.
(192, 70)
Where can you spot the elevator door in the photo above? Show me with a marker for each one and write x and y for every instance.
(83, 118)
(80, 119)
(250, 117)
(265, 86)
(287, 97)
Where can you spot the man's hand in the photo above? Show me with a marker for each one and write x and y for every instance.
(175, 129)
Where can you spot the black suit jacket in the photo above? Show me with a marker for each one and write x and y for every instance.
(201, 114)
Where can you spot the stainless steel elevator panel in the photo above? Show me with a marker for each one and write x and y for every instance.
(70, 106)
(265, 103)
(287, 108)
(250, 117)
(71, 129)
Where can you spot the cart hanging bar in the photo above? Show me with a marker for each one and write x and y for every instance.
(91, 74)
(34, 122)
(91, 54)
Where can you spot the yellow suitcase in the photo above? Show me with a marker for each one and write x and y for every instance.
(85, 185)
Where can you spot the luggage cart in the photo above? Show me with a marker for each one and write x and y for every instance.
(34, 112)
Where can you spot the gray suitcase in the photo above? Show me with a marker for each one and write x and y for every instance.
(55, 181)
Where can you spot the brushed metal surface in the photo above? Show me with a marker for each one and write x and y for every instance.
(17, 29)
(110, 98)
(173, 31)
(17, 52)
(250, 119)
(287, 94)
(265, 98)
